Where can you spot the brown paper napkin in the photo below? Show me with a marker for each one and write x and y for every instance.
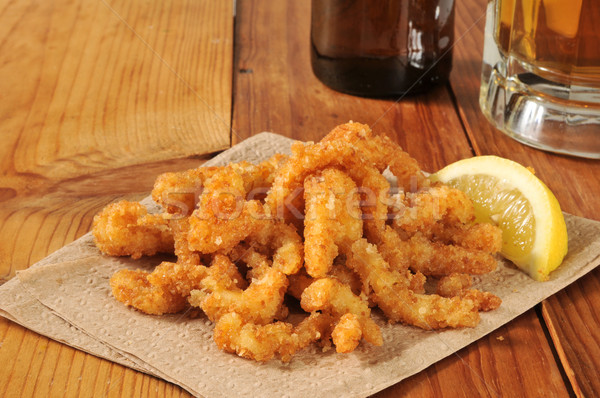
(67, 297)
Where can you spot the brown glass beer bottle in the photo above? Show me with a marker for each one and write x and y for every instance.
(382, 47)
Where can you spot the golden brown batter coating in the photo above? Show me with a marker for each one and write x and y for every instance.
(321, 226)
(126, 229)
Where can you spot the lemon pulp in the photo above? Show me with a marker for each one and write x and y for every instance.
(504, 207)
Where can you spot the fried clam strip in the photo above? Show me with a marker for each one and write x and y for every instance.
(332, 296)
(397, 253)
(348, 277)
(456, 284)
(332, 217)
(424, 209)
(399, 303)
(446, 215)
(126, 229)
(260, 303)
(177, 192)
(262, 179)
(249, 255)
(382, 152)
(163, 291)
(287, 245)
(347, 333)
(288, 255)
(485, 237)
(180, 228)
(438, 259)
(426, 257)
(224, 217)
(352, 147)
(263, 342)
(301, 280)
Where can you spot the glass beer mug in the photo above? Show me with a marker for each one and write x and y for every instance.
(382, 47)
(541, 73)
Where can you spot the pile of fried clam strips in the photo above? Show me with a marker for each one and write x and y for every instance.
(321, 233)
(67, 296)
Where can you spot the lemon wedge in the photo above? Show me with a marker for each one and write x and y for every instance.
(534, 233)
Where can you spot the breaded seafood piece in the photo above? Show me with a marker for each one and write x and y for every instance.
(224, 217)
(126, 229)
(333, 217)
(223, 275)
(263, 342)
(485, 301)
(178, 278)
(212, 234)
(453, 284)
(249, 255)
(352, 147)
(224, 229)
(439, 259)
(178, 192)
(180, 228)
(424, 209)
(260, 303)
(459, 285)
(332, 296)
(132, 288)
(258, 182)
(397, 253)
(287, 245)
(381, 152)
(347, 333)
(485, 237)
(348, 277)
(403, 305)
(299, 282)
(163, 291)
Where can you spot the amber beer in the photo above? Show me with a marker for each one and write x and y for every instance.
(382, 47)
(540, 80)
(558, 39)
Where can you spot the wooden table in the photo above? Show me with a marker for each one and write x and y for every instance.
(98, 97)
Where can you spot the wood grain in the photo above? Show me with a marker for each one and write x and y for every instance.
(281, 94)
(494, 367)
(572, 315)
(35, 366)
(91, 86)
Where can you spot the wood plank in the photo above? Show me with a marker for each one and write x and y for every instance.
(275, 90)
(90, 86)
(36, 366)
(572, 315)
(494, 367)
